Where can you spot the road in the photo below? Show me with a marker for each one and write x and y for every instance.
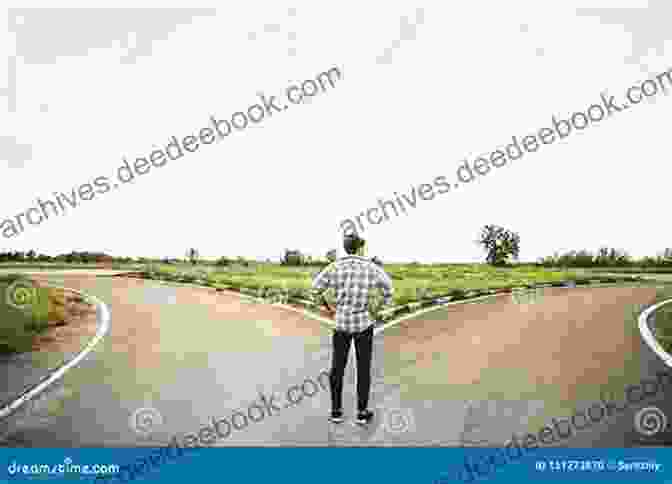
(464, 375)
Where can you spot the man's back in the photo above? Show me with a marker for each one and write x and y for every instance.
(354, 278)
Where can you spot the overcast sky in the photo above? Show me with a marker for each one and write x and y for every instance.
(476, 74)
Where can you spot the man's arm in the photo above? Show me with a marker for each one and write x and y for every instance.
(384, 283)
(322, 282)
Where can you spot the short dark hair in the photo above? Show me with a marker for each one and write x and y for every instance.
(352, 243)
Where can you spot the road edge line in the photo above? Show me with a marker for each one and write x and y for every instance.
(103, 319)
(647, 334)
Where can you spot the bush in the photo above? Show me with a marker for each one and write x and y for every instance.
(20, 326)
(224, 262)
(457, 294)
(606, 258)
(299, 293)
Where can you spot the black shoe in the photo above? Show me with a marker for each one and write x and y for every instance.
(364, 417)
(336, 417)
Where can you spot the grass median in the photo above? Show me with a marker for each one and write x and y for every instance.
(415, 285)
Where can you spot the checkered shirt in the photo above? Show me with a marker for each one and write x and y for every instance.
(353, 278)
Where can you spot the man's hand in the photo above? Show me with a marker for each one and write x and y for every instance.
(320, 303)
(326, 309)
(325, 303)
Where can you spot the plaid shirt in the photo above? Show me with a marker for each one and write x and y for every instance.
(353, 277)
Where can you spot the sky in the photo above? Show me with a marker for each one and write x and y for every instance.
(424, 86)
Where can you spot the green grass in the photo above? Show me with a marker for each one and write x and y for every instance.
(20, 326)
(664, 326)
(412, 283)
(632, 270)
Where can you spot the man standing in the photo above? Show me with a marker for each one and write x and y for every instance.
(352, 277)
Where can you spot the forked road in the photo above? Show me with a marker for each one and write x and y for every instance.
(467, 373)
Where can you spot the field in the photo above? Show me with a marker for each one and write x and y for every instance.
(415, 285)
(407, 278)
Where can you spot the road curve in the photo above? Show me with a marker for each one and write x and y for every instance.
(188, 355)
(103, 326)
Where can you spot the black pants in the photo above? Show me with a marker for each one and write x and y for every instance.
(341, 348)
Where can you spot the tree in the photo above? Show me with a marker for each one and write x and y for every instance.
(609, 257)
(331, 255)
(500, 244)
(292, 258)
(667, 256)
(223, 261)
(192, 255)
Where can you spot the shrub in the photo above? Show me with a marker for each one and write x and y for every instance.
(20, 326)
(457, 294)
(224, 262)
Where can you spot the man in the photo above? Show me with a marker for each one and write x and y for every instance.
(352, 277)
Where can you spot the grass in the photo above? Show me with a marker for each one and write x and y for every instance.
(407, 279)
(664, 326)
(633, 270)
(414, 284)
(20, 326)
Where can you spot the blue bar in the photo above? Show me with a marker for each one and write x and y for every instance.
(338, 465)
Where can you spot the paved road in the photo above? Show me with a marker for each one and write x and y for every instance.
(470, 373)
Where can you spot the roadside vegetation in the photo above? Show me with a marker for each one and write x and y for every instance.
(614, 260)
(415, 285)
(28, 310)
(664, 325)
